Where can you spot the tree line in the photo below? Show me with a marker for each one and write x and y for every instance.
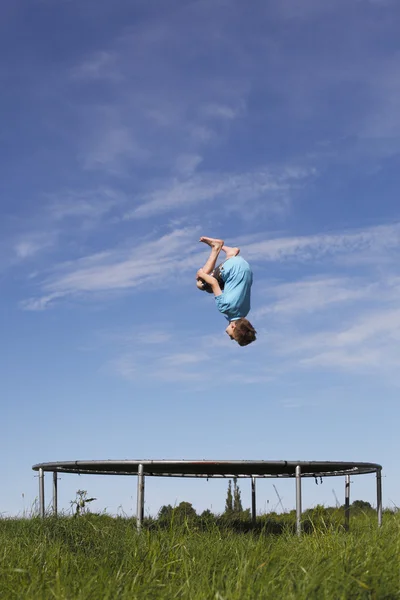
(235, 513)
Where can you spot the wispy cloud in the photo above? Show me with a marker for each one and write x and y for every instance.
(110, 147)
(336, 322)
(152, 262)
(237, 189)
(41, 303)
(179, 111)
(59, 226)
(223, 111)
(145, 335)
(163, 366)
(384, 121)
(371, 343)
(187, 360)
(368, 346)
(358, 331)
(184, 358)
(87, 205)
(30, 245)
(186, 164)
(311, 248)
(155, 106)
(101, 65)
(314, 294)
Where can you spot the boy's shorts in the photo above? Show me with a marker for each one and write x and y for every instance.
(217, 274)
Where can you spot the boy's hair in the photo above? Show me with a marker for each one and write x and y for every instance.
(244, 332)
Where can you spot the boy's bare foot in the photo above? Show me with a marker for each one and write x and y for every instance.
(230, 252)
(213, 242)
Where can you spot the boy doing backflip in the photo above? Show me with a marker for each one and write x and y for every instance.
(230, 283)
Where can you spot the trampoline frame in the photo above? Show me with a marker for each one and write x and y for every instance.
(253, 470)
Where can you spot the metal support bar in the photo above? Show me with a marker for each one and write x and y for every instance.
(55, 493)
(140, 498)
(41, 493)
(379, 496)
(298, 500)
(253, 500)
(347, 503)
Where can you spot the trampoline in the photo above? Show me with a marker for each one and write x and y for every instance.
(252, 469)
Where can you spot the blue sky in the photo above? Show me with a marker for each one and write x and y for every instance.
(128, 130)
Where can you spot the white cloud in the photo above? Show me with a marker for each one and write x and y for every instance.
(367, 341)
(184, 358)
(32, 244)
(27, 248)
(146, 335)
(85, 204)
(370, 346)
(101, 65)
(313, 294)
(152, 262)
(162, 110)
(186, 164)
(223, 111)
(274, 186)
(341, 323)
(383, 122)
(347, 360)
(179, 363)
(154, 337)
(60, 222)
(311, 248)
(380, 323)
(110, 146)
(126, 366)
(41, 303)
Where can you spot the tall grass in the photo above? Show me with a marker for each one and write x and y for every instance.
(100, 557)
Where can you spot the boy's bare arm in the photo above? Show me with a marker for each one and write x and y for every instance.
(211, 280)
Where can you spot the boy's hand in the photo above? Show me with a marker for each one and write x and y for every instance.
(205, 277)
(211, 280)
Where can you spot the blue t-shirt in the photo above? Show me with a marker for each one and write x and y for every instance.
(234, 302)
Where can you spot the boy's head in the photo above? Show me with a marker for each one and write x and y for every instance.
(242, 331)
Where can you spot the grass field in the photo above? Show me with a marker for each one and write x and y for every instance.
(100, 557)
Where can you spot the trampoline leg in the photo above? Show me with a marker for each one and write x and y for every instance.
(253, 500)
(379, 496)
(347, 503)
(41, 493)
(298, 500)
(55, 493)
(140, 498)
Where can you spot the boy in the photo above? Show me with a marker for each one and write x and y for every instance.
(230, 283)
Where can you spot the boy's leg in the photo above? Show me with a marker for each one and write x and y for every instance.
(216, 247)
(230, 252)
